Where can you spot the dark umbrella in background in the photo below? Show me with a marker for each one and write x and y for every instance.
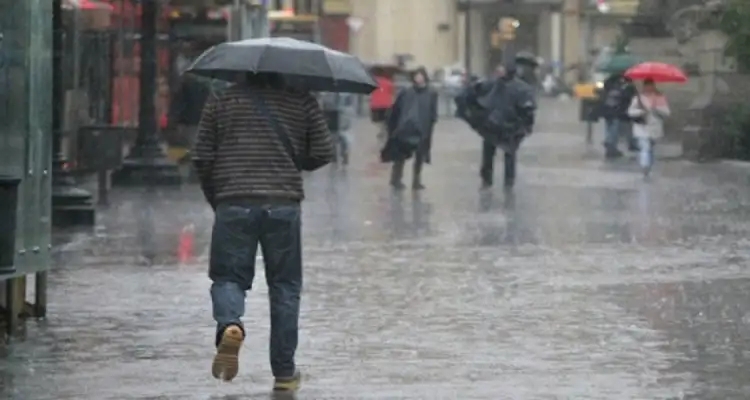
(303, 64)
(619, 63)
(527, 58)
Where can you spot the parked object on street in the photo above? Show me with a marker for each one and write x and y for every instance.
(657, 72)
(305, 65)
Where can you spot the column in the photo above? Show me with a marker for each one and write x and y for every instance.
(556, 41)
(71, 204)
(571, 48)
(146, 163)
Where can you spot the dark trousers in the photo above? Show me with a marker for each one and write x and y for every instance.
(488, 165)
(397, 172)
(238, 229)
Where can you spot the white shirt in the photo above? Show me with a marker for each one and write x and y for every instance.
(655, 109)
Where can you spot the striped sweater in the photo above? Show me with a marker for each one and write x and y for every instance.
(237, 153)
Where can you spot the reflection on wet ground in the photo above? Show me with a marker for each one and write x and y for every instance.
(584, 283)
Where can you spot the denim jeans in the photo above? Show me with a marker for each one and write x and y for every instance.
(488, 165)
(237, 232)
(646, 153)
(611, 133)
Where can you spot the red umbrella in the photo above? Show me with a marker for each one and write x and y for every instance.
(656, 71)
(87, 5)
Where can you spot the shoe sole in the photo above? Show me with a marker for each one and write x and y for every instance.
(287, 386)
(226, 361)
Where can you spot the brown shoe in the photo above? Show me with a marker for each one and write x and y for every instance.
(226, 361)
(288, 384)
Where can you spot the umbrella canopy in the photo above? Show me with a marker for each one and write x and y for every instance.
(619, 63)
(656, 71)
(309, 65)
(527, 58)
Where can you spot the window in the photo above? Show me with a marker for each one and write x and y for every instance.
(306, 7)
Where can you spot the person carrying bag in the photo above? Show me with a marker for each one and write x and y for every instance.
(648, 110)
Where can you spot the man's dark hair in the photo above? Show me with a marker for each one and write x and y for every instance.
(274, 81)
(423, 71)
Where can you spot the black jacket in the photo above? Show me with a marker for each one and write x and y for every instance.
(512, 110)
(187, 103)
(410, 123)
(616, 96)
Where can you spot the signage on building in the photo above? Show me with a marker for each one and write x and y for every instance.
(337, 7)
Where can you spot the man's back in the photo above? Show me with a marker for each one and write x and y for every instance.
(238, 154)
(255, 188)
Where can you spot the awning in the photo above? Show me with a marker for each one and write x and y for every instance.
(93, 5)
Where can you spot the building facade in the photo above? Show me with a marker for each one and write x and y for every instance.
(434, 32)
(426, 30)
(25, 134)
(564, 33)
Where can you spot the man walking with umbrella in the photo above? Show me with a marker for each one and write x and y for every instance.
(254, 140)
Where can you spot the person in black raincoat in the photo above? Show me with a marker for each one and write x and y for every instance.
(409, 124)
(616, 96)
(511, 110)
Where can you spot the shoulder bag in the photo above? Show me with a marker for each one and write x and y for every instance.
(302, 162)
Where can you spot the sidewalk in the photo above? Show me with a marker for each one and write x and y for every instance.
(576, 285)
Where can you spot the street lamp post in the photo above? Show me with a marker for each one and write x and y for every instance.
(467, 37)
(71, 205)
(146, 161)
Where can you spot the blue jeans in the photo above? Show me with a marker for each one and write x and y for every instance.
(646, 153)
(238, 229)
(612, 133)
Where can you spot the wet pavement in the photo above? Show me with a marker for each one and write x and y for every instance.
(585, 283)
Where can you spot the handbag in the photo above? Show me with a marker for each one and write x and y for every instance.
(641, 120)
(303, 162)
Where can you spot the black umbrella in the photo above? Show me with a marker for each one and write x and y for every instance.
(527, 58)
(315, 67)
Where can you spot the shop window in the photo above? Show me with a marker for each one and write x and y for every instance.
(305, 7)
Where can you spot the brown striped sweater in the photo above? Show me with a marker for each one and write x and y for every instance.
(238, 155)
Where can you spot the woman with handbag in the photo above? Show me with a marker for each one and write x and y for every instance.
(648, 110)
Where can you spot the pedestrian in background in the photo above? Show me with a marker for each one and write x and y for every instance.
(511, 112)
(410, 124)
(617, 94)
(381, 101)
(648, 110)
(339, 110)
(254, 139)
